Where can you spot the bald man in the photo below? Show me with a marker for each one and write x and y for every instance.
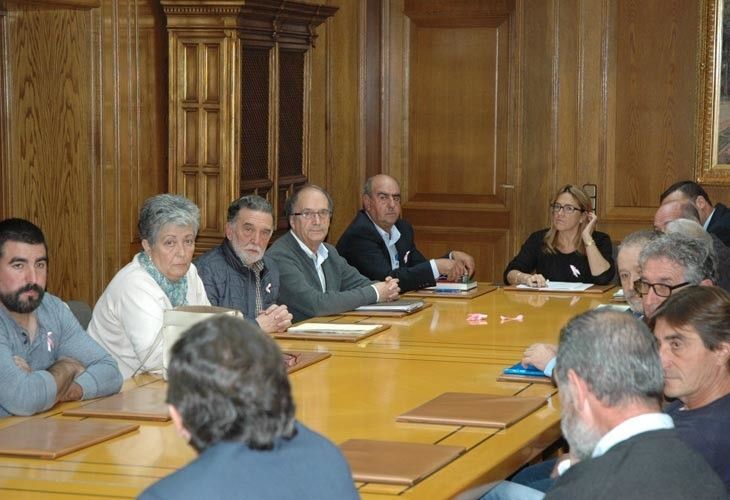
(378, 243)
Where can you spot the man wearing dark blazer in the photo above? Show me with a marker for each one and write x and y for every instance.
(314, 280)
(715, 219)
(379, 243)
(230, 398)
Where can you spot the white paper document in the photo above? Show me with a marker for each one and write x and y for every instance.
(561, 286)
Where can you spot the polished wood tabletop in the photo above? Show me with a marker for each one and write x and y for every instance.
(357, 393)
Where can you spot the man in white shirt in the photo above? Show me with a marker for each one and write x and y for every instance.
(314, 279)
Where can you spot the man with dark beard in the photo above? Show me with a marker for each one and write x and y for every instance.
(610, 380)
(45, 355)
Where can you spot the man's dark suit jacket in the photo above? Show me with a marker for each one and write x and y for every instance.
(720, 223)
(653, 464)
(364, 249)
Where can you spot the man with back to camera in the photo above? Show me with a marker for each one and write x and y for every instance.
(230, 399)
(379, 243)
(315, 280)
(45, 355)
(715, 219)
(237, 274)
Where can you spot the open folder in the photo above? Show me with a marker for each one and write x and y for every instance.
(477, 410)
(394, 462)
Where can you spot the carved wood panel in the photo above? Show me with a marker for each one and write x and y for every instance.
(454, 97)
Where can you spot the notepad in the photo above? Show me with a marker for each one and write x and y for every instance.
(393, 462)
(141, 403)
(471, 409)
(52, 437)
(347, 332)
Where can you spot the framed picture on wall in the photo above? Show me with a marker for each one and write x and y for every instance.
(714, 92)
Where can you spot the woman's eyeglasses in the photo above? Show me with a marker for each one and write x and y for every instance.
(567, 209)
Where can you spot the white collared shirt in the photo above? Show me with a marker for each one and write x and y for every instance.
(318, 259)
(709, 218)
(390, 239)
(630, 428)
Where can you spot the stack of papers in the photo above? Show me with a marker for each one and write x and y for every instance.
(396, 305)
(561, 286)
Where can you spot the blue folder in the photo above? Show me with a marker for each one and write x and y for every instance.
(518, 369)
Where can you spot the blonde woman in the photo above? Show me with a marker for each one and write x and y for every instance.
(569, 250)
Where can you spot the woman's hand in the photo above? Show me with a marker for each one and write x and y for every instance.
(590, 226)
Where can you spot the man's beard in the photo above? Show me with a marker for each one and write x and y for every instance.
(13, 302)
(245, 257)
(581, 438)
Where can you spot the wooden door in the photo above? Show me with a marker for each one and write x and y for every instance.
(448, 79)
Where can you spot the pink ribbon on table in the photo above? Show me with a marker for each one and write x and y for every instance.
(507, 319)
(476, 319)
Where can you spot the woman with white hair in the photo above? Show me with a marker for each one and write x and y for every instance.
(127, 319)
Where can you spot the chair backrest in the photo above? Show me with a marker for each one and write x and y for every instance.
(81, 310)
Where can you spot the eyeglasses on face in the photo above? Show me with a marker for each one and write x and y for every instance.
(567, 209)
(642, 287)
(311, 214)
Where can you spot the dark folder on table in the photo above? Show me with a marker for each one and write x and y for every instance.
(52, 437)
(472, 409)
(394, 462)
(296, 360)
(141, 403)
(529, 374)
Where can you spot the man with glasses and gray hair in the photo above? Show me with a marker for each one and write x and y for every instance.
(236, 274)
(671, 262)
(315, 279)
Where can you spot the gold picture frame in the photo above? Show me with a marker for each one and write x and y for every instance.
(714, 94)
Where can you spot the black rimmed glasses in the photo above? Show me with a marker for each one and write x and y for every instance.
(567, 209)
(642, 287)
(312, 214)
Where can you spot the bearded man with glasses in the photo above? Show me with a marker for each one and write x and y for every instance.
(314, 279)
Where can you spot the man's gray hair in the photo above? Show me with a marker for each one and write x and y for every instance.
(638, 238)
(689, 228)
(696, 257)
(163, 209)
(615, 354)
(250, 201)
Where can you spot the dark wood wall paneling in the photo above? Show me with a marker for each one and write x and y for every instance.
(588, 91)
(84, 136)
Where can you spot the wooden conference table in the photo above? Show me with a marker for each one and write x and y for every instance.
(357, 393)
